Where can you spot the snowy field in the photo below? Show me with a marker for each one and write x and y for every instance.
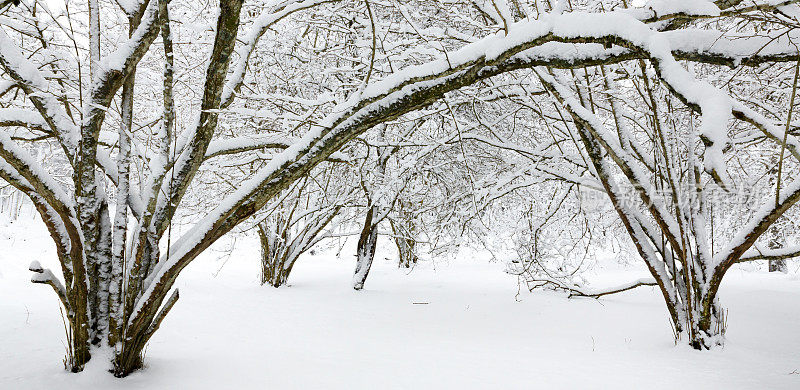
(457, 325)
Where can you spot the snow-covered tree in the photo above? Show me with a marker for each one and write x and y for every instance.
(294, 225)
(355, 66)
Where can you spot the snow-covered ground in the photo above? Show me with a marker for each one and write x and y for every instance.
(459, 324)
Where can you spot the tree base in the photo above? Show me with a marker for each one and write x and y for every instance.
(778, 266)
(125, 365)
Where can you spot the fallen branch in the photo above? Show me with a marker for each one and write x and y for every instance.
(621, 288)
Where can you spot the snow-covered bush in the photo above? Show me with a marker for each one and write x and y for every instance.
(291, 228)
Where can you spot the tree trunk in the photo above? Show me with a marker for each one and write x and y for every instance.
(278, 279)
(702, 329)
(273, 253)
(706, 329)
(276, 261)
(776, 265)
(274, 268)
(407, 255)
(131, 354)
(365, 253)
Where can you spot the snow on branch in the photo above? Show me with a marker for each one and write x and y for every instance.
(643, 235)
(52, 220)
(769, 129)
(45, 276)
(256, 142)
(200, 134)
(6, 86)
(594, 126)
(731, 48)
(259, 27)
(117, 65)
(758, 253)
(162, 313)
(613, 290)
(39, 179)
(672, 8)
(769, 212)
(130, 6)
(107, 165)
(415, 87)
(22, 118)
(661, 10)
(28, 77)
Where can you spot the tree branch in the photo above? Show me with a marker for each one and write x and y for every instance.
(614, 290)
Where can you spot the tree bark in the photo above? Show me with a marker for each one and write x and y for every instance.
(365, 252)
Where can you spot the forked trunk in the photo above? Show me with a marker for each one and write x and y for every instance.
(275, 266)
